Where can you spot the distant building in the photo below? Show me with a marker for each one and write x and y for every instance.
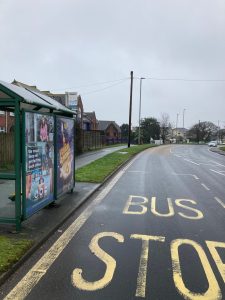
(70, 99)
(111, 130)
(90, 122)
(179, 133)
(7, 121)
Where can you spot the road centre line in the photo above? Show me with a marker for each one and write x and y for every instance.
(207, 164)
(30, 280)
(208, 189)
(218, 163)
(219, 201)
(191, 161)
(133, 171)
(218, 172)
(195, 177)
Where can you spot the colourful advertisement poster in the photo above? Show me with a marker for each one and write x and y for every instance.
(39, 156)
(65, 154)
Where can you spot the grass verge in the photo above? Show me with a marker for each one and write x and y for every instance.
(222, 148)
(11, 251)
(98, 170)
(100, 148)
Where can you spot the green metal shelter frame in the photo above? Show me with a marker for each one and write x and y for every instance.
(17, 99)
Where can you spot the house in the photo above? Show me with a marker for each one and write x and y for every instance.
(73, 101)
(70, 99)
(111, 130)
(89, 121)
(6, 121)
(179, 134)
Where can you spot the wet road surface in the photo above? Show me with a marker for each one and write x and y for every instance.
(155, 231)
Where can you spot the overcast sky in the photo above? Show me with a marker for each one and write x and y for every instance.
(76, 45)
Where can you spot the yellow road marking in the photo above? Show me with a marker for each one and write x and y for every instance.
(24, 287)
(212, 248)
(130, 202)
(198, 212)
(170, 205)
(213, 291)
(142, 272)
(77, 278)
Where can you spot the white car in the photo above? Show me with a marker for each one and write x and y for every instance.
(212, 144)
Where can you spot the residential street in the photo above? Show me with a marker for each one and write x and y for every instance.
(155, 231)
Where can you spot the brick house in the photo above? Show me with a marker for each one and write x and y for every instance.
(111, 130)
(90, 122)
(6, 121)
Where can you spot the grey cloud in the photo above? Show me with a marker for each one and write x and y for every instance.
(56, 44)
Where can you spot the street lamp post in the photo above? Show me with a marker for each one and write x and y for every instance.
(218, 132)
(139, 129)
(177, 125)
(183, 116)
(184, 133)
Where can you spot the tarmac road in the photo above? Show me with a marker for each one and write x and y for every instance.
(155, 231)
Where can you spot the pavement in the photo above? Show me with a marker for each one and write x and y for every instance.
(90, 156)
(41, 225)
(217, 150)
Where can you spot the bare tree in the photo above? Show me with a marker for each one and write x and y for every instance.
(222, 134)
(165, 126)
(203, 131)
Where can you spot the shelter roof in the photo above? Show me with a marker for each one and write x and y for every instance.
(32, 96)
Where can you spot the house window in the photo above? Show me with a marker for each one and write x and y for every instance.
(2, 112)
(11, 114)
(2, 129)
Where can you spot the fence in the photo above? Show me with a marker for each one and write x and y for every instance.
(92, 140)
(7, 148)
(86, 140)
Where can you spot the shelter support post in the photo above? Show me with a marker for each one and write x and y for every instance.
(17, 166)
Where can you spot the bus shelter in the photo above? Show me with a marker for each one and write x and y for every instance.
(43, 144)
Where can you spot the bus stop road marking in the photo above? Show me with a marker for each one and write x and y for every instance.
(28, 282)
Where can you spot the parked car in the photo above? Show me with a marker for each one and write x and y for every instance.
(212, 144)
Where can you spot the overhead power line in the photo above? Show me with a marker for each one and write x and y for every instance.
(105, 88)
(89, 84)
(183, 79)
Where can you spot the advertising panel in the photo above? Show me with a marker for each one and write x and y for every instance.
(71, 100)
(65, 154)
(39, 158)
